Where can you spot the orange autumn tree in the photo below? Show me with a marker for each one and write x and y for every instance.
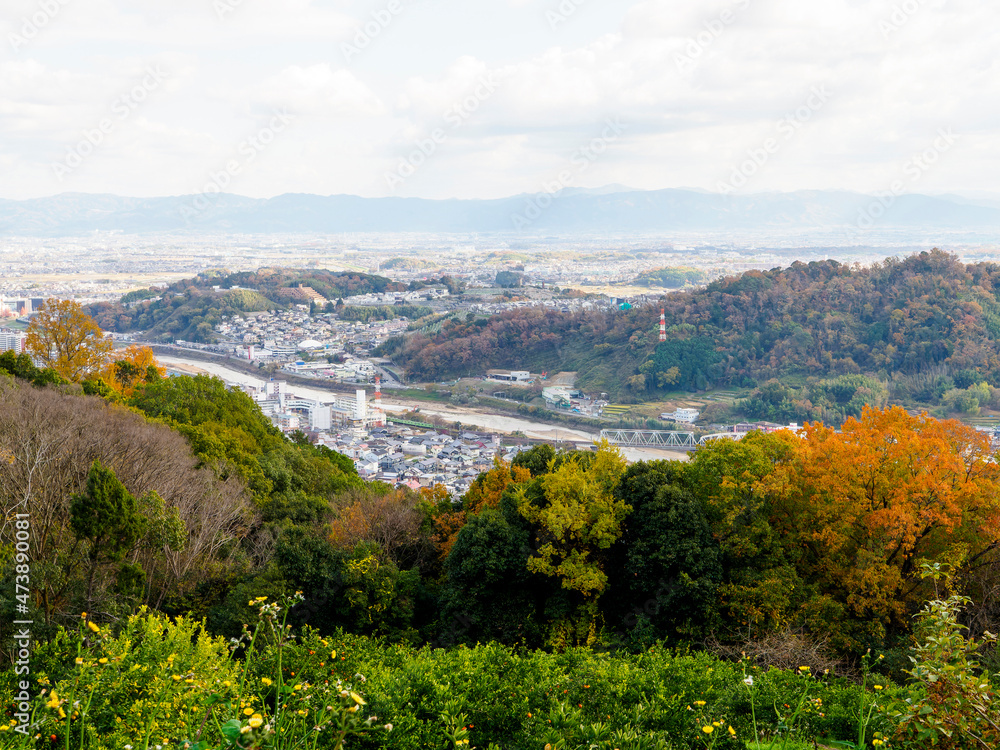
(868, 503)
(131, 367)
(488, 488)
(485, 492)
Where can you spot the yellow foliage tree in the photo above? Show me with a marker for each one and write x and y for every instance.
(580, 517)
(62, 336)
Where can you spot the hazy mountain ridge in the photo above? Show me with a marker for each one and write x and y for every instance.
(611, 209)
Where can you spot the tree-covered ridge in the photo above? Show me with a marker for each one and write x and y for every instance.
(190, 309)
(671, 277)
(902, 318)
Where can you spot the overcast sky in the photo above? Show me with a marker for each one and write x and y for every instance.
(489, 98)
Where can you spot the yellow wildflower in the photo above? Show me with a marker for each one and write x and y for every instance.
(708, 729)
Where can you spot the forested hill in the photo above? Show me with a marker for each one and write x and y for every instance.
(189, 309)
(925, 314)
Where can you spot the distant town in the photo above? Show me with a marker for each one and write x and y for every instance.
(334, 342)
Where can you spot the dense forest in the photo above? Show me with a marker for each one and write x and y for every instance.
(190, 309)
(719, 542)
(921, 326)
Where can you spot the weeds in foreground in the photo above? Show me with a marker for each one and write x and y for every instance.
(167, 685)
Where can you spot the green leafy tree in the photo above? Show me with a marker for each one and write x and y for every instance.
(107, 516)
(667, 564)
(738, 483)
(21, 366)
(955, 709)
(490, 594)
(536, 460)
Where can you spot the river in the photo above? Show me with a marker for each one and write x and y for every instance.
(465, 415)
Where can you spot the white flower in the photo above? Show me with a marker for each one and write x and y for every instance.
(748, 680)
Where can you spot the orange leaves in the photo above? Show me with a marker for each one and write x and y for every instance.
(392, 521)
(887, 490)
(485, 492)
(129, 367)
(446, 528)
(897, 476)
(488, 488)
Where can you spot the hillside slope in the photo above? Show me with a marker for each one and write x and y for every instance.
(189, 309)
(928, 313)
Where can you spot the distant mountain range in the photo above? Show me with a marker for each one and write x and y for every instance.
(612, 209)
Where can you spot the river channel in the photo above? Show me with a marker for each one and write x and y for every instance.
(465, 415)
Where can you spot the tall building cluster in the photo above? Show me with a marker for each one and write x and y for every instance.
(11, 339)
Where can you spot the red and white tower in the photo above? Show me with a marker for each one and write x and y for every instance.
(378, 391)
(663, 324)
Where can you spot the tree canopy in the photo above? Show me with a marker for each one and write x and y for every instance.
(65, 338)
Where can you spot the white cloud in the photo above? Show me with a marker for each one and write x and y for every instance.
(317, 89)
(698, 84)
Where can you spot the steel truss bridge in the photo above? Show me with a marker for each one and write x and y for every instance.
(650, 439)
